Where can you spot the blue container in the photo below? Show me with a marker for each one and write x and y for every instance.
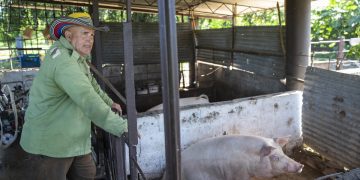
(30, 60)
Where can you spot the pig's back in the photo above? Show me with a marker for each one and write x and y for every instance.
(221, 156)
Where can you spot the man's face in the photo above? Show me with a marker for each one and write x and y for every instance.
(81, 38)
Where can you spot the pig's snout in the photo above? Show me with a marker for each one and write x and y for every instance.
(295, 168)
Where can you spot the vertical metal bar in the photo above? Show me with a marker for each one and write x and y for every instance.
(97, 60)
(233, 34)
(128, 11)
(297, 41)
(130, 91)
(119, 149)
(192, 65)
(170, 95)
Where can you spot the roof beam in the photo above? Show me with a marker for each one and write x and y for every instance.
(150, 6)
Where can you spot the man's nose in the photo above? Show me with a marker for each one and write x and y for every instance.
(90, 38)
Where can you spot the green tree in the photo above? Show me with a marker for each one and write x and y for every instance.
(206, 23)
(340, 19)
(264, 18)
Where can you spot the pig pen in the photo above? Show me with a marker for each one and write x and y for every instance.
(271, 115)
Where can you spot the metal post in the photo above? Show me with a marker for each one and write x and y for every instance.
(130, 91)
(340, 54)
(192, 65)
(119, 156)
(233, 34)
(170, 94)
(97, 60)
(297, 41)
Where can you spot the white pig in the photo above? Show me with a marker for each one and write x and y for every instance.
(236, 157)
(202, 99)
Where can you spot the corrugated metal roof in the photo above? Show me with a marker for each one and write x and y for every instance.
(331, 116)
(225, 8)
(204, 8)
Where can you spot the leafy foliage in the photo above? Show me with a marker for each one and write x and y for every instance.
(205, 23)
(265, 18)
(340, 19)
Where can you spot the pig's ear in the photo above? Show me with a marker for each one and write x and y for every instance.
(266, 150)
(282, 140)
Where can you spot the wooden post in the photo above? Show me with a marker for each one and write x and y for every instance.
(340, 54)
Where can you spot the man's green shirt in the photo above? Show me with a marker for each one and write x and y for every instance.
(64, 100)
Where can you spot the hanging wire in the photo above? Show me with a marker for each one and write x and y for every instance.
(62, 10)
(46, 15)
(28, 24)
(36, 16)
(9, 16)
(36, 25)
(7, 36)
(53, 11)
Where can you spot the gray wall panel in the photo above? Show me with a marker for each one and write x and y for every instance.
(331, 116)
(258, 60)
(269, 66)
(259, 39)
(146, 43)
(256, 49)
(216, 38)
(236, 83)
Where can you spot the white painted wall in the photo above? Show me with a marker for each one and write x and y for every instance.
(272, 115)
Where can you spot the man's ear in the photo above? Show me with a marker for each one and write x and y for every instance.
(67, 35)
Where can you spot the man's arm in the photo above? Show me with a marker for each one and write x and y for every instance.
(76, 84)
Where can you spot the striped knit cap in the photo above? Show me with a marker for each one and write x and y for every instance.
(58, 26)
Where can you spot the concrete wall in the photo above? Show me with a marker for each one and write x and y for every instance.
(236, 83)
(272, 115)
(17, 77)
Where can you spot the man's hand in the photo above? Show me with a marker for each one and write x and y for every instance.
(116, 108)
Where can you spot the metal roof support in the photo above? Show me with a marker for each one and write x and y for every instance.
(130, 91)
(297, 42)
(170, 82)
(193, 63)
(233, 35)
(214, 1)
(97, 60)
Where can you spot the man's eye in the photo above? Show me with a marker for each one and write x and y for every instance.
(88, 34)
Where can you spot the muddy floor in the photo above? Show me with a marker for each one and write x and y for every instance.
(315, 166)
(11, 165)
(308, 173)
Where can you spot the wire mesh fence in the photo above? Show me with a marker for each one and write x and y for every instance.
(24, 30)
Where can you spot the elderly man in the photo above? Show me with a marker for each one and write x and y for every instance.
(64, 100)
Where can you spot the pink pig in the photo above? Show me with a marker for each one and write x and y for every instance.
(236, 157)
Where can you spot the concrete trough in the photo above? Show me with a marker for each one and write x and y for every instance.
(271, 115)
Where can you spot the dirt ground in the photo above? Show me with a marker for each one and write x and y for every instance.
(11, 163)
(315, 166)
(308, 173)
